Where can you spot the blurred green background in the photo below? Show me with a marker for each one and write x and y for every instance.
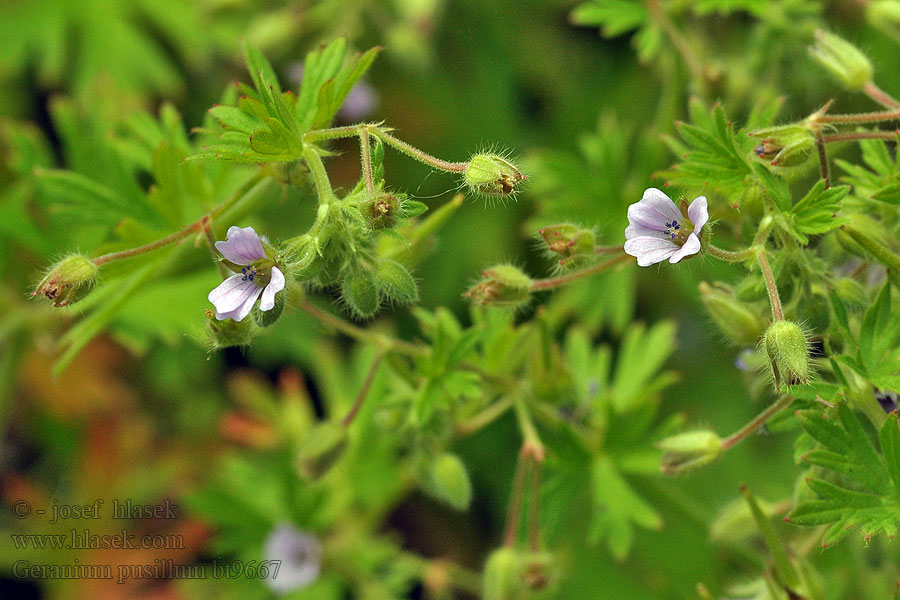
(144, 412)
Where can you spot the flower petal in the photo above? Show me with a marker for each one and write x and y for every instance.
(650, 250)
(655, 208)
(242, 246)
(691, 246)
(231, 293)
(239, 313)
(276, 284)
(698, 212)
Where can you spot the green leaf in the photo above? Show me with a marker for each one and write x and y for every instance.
(641, 355)
(816, 212)
(617, 508)
(712, 155)
(862, 490)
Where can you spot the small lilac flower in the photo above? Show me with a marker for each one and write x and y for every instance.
(299, 555)
(234, 298)
(658, 231)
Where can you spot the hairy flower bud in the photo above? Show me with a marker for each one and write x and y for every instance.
(503, 286)
(689, 450)
(788, 354)
(785, 145)
(736, 320)
(570, 244)
(68, 281)
(492, 175)
(381, 210)
(842, 59)
(228, 333)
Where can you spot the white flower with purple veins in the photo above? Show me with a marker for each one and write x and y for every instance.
(235, 297)
(299, 557)
(657, 230)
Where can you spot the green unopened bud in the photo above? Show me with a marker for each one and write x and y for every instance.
(503, 286)
(68, 281)
(785, 145)
(570, 244)
(788, 353)
(360, 293)
(842, 59)
(884, 15)
(394, 281)
(449, 481)
(323, 447)
(381, 210)
(689, 450)
(492, 175)
(229, 333)
(502, 578)
(736, 320)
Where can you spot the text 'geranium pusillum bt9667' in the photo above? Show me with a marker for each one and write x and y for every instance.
(657, 230)
(234, 298)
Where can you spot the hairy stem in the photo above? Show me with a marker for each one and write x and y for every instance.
(771, 288)
(320, 175)
(757, 422)
(880, 96)
(870, 117)
(732, 256)
(823, 158)
(849, 136)
(197, 225)
(364, 390)
(416, 154)
(365, 152)
(382, 134)
(485, 417)
(555, 282)
(386, 343)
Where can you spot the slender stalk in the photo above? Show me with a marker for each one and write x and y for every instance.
(416, 154)
(485, 417)
(774, 298)
(398, 144)
(188, 230)
(515, 501)
(880, 96)
(823, 158)
(608, 249)
(365, 152)
(534, 506)
(320, 175)
(869, 117)
(364, 390)
(555, 282)
(730, 255)
(385, 342)
(169, 239)
(849, 136)
(532, 444)
(757, 422)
